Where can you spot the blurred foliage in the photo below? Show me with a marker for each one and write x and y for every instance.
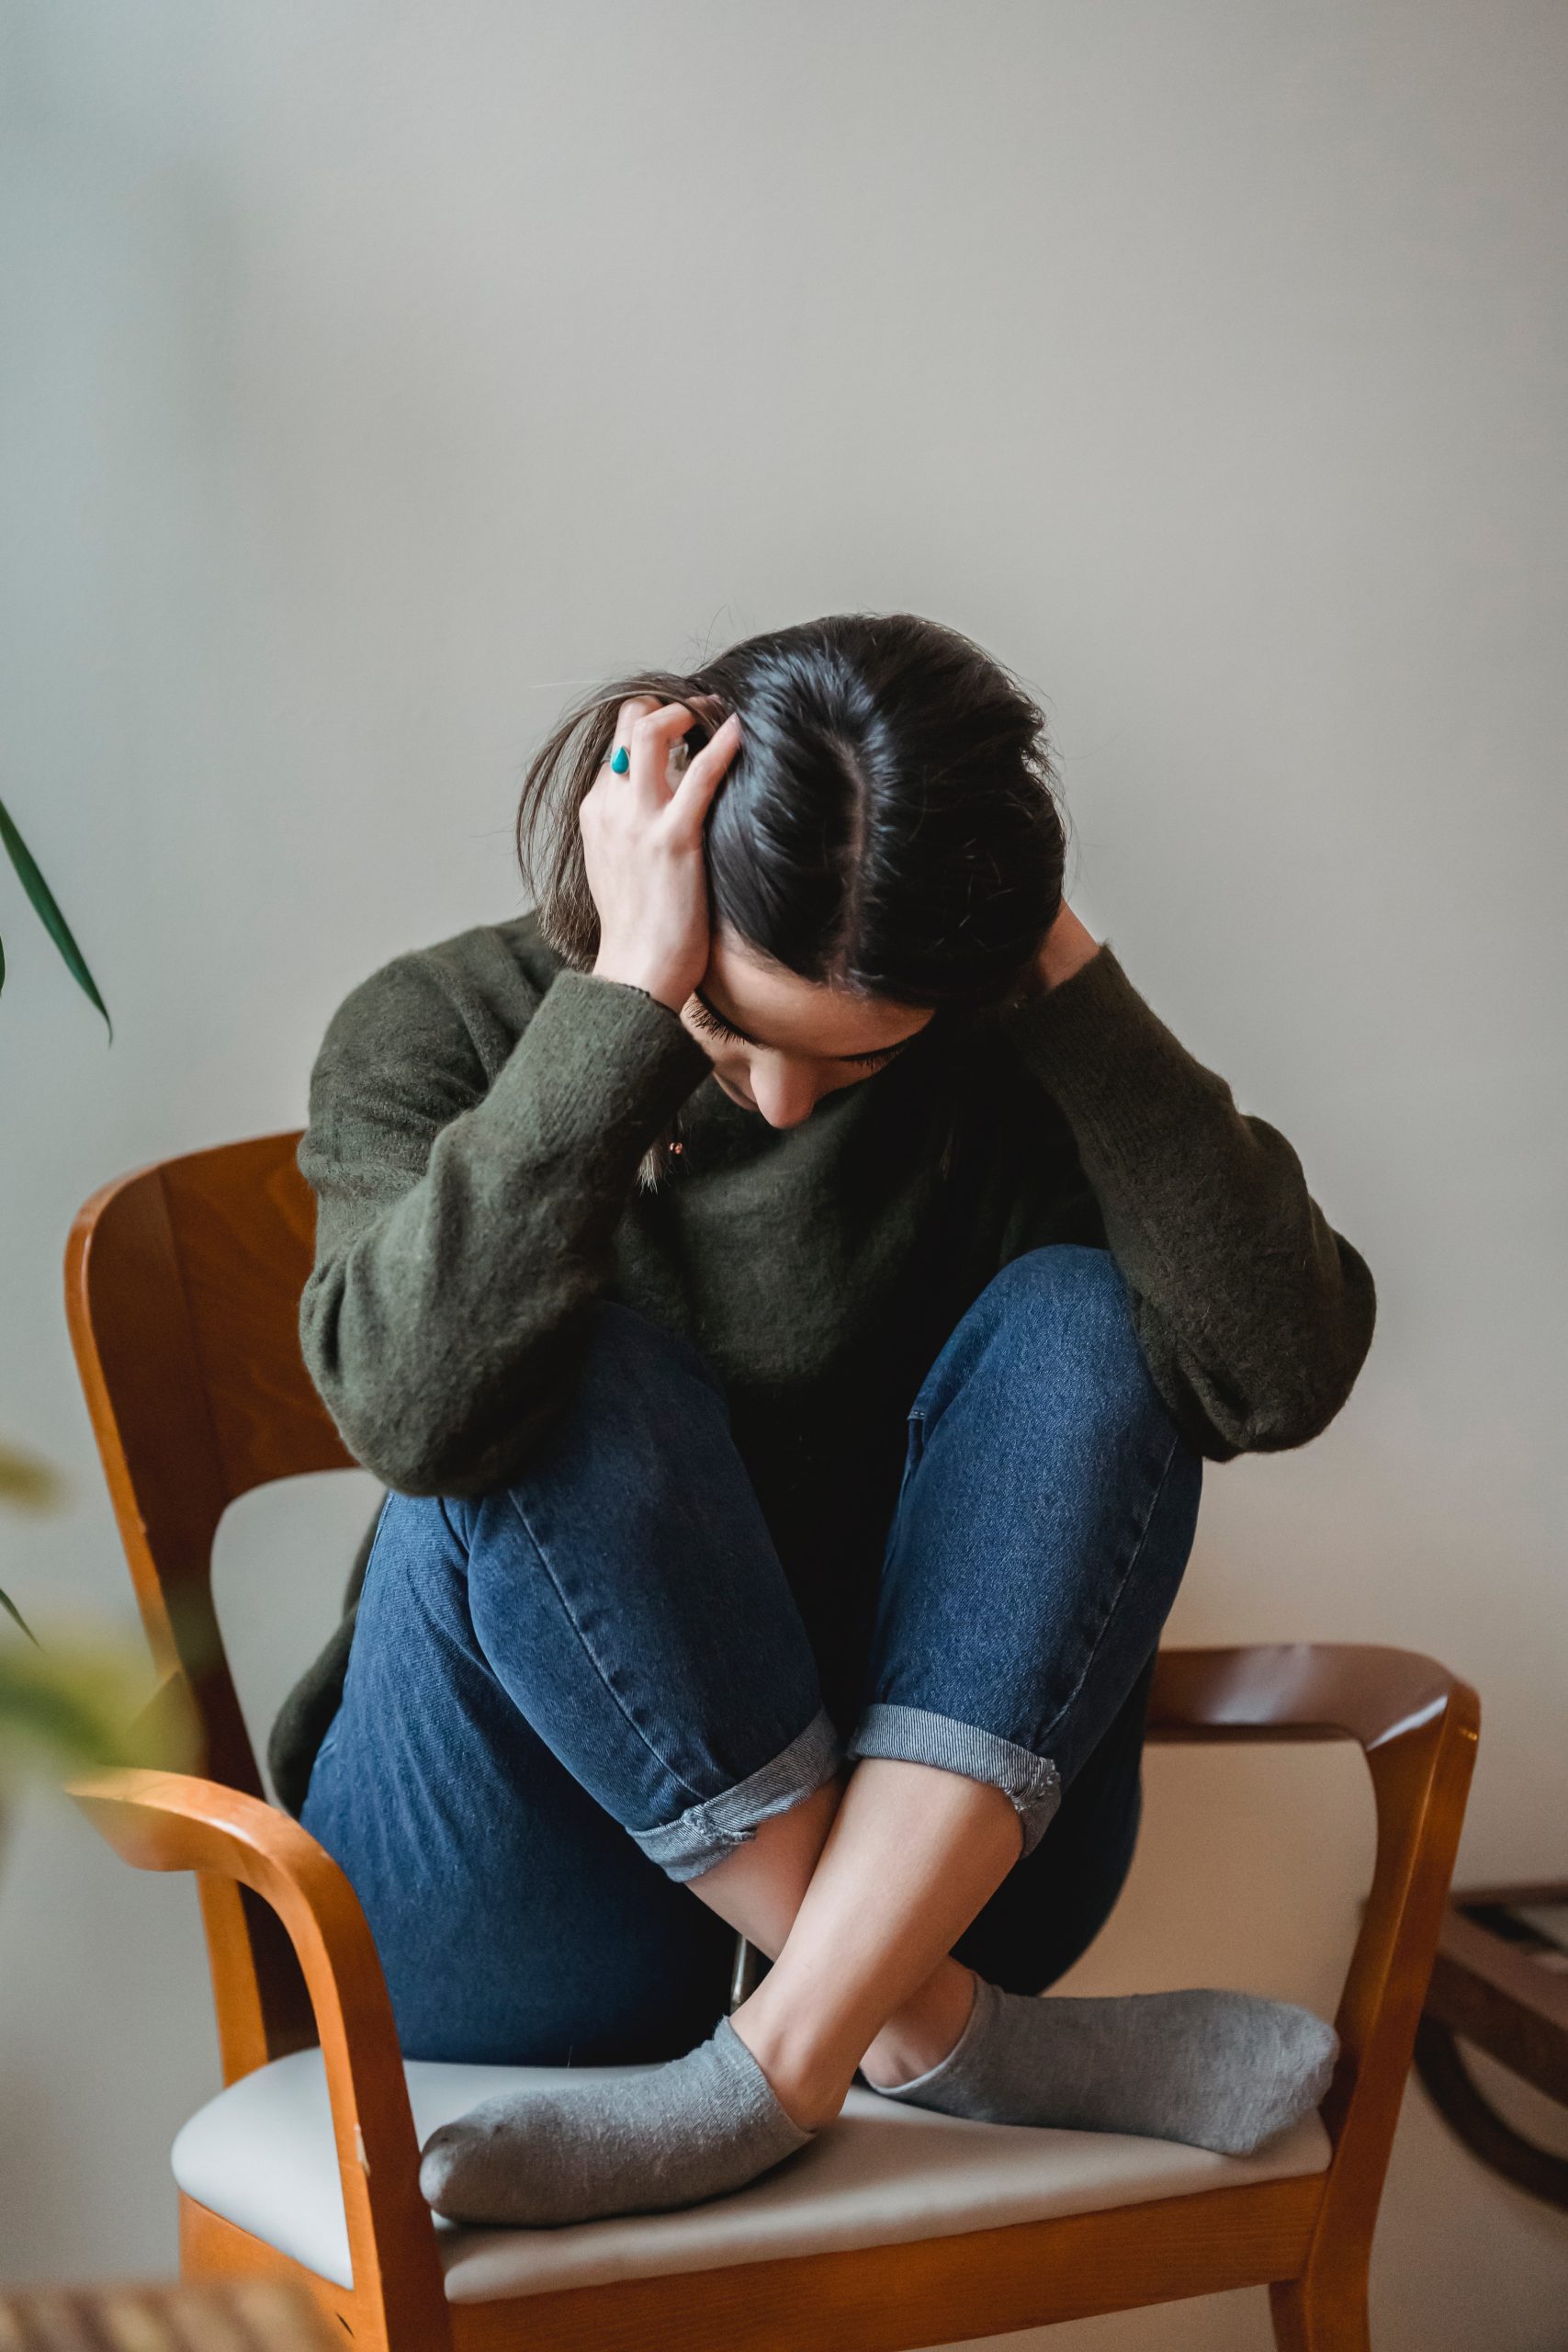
(79, 1698)
(74, 1698)
(82, 1700)
(28, 1482)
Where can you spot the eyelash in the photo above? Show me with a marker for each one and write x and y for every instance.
(712, 1023)
(717, 1028)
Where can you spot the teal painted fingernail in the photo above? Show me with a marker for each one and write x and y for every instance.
(621, 761)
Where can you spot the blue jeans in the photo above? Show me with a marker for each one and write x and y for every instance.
(569, 1696)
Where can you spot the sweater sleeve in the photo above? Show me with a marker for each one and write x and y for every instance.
(1255, 1316)
(463, 1227)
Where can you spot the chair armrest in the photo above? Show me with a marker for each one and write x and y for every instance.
(1417, 1725)
(1301, 1690)
(167, 1821)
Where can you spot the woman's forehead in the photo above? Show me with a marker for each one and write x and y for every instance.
(774, 1007)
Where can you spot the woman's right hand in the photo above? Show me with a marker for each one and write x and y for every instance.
(642, 848)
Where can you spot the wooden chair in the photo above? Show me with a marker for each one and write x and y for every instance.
(183, 1285)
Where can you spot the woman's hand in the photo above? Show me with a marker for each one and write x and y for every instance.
(642, 847)
(1065, 949)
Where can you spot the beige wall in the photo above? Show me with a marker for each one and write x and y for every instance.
(373, 374)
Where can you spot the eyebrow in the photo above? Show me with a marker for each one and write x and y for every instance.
(725, 1022)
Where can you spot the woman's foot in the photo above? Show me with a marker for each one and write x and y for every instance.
(1219, 2070)
(699, 2127)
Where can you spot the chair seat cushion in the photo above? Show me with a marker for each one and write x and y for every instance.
(262, 2156)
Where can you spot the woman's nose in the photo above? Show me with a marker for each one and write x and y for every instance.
(784, 1096)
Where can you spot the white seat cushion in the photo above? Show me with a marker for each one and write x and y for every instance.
(262, 2156)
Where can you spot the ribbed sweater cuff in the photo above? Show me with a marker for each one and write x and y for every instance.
(1124, 1082)
(601, 1064)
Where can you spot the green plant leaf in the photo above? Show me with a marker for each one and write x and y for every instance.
(43, 900)
(9, 1606)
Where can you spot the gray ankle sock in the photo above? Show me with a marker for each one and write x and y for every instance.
(697, 2128)
(1219, 2070)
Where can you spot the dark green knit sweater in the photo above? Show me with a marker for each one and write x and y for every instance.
(477, 1116)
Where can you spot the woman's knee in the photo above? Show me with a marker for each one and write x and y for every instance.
(1056, 1322)
(627, 1351)
(1067, 1290)
(634, 1393)
(637, 1407)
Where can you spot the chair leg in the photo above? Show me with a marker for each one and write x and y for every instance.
(1321, 2312)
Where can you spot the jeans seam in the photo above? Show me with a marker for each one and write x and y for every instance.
(914, 1453)
(590, 1654)
(1136, 1553)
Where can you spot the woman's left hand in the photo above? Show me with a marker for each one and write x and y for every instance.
(1066, 947)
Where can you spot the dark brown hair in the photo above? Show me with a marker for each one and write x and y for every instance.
(888, 825)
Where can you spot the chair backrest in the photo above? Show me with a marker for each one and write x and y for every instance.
(182, 1291)
(183, 1285)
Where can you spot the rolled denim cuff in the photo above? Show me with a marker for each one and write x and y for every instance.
(705, 1833)
(915, 1735)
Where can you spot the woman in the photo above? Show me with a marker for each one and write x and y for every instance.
(788, 1284)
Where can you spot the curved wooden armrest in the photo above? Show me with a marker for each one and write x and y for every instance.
(1417, 1725)
(1301, 1691)
(167, 1821)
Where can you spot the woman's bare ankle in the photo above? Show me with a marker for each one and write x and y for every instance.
(924, 2032)
(807, 2076)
